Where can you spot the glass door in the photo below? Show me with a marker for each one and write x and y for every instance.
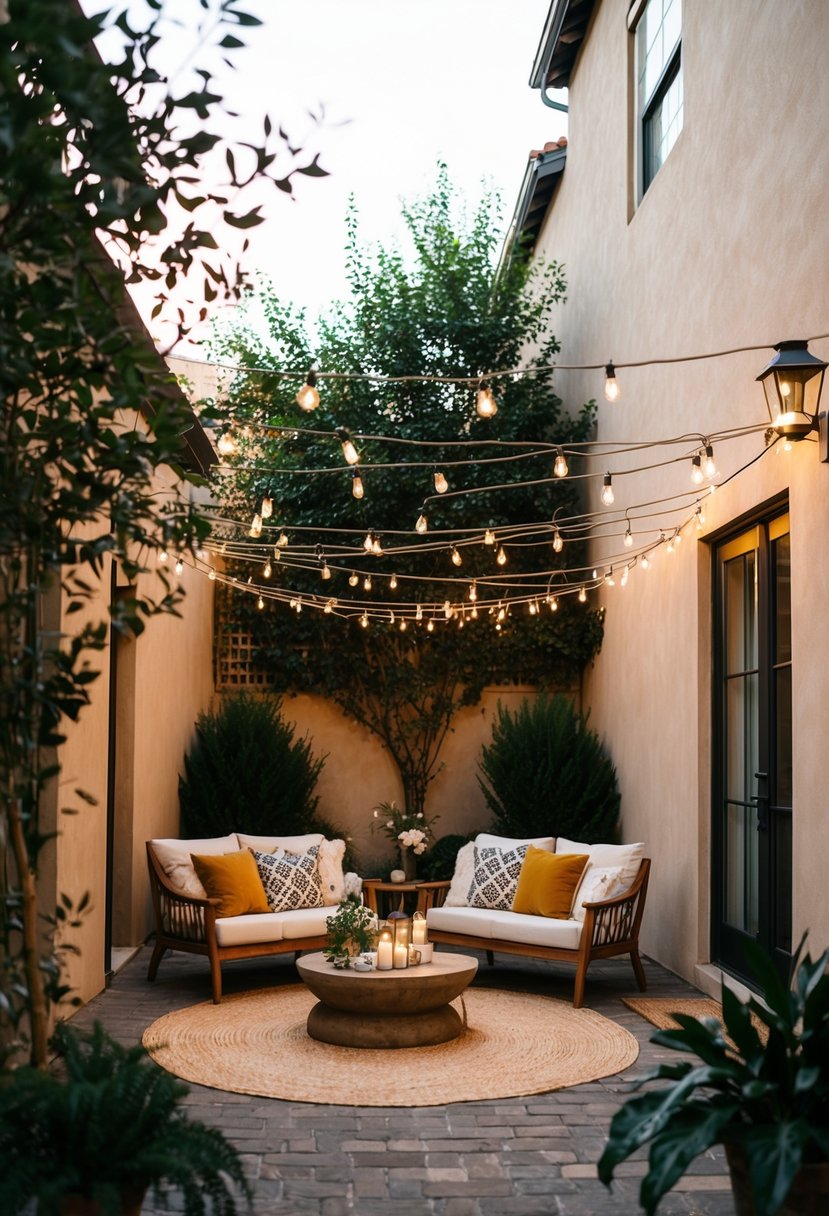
(752, 834)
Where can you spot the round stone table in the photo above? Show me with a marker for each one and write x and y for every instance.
(408, 1007)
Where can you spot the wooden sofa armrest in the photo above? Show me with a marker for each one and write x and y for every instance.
(615, 920)
(432, 894)
(176, 914)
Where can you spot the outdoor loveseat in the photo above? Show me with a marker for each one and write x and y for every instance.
(603, 918)
(305, 881)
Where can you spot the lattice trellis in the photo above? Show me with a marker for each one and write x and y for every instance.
(233, 659)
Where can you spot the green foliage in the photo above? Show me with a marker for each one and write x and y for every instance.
(94, 155)
(439, 862)
(545, 773)
(352, 930)
(769, 1096)
(112, 1123)
(247, 773)
(439, 312)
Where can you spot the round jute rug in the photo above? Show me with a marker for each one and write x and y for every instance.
(514, 1044)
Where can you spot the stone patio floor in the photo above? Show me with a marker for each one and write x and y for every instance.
(514, 1155)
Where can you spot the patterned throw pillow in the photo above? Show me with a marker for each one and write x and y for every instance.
(495, 878)
(291, 880)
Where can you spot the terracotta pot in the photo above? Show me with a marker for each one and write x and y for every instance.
(132, 1199)
(809, 1194)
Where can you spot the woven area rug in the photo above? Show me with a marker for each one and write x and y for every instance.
(658, 1009)
(514, 1044)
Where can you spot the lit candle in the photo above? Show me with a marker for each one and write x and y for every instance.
(426, 952)
(401, 956)
(385, 960)
(419, 930)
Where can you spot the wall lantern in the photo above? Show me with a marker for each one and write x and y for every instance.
(792, 382)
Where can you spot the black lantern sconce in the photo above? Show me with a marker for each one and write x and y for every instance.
(792, 382)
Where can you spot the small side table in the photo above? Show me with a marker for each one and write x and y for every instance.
(383, 897)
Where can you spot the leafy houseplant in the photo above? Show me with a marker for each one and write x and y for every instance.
(352, 930)
(766, 1101)
(545, 773)
(94, 1139)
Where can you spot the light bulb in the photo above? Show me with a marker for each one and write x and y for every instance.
(422, 524)
(353, 579)
(329, 606)
(266, 510)
(350, 452)
(277, 554)
(267, 569)
(357, 488)
(609, 579)
(391, 618)
(554, 604)
(376, 546)
(502, 612)
(393, 583)
(364, 621)
(708, 466)
(367, 583)
(447, 610)
(282, 541)
(441, 484)
(582, 595)
(298, 607)
(256, 526)
(368, 542)
(473, 593)
(611, 384)
(403, 625)
(625, 576)
(533, 608)
(457, 560)
(474, 613)
(608, 497)
(162, 557)
(645, 562)
(677, 537)
(485, 404)
(212, 575)
(561, 468)
(501, 557)
(260, 603)
(325, 572)
(489, 537)
(419, 613)
(558, 541)
(697, 476)
(179, 566)
(308, 398)
(670, 546)
(628, 537)
(227, 445)
(430, 626)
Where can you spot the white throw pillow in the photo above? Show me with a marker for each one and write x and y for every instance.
(485, 841)
(626, 856)
(458, 894)
(269, 844)
(495, 878)
(598, 883)
(174, 858)
(330, 864)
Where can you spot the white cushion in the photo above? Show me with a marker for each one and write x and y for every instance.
(249, 930)
(330, 864)
(485, 841)
(291, 880)
(598, 883)
(269, 844)
(458, 894)
(495, 877)
(306, 922)
(174, 858)
(490, 924)
(626, 856)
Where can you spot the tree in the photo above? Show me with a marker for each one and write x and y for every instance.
(101, 164)
(396, 635)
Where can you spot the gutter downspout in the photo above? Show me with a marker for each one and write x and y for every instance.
(548, 101)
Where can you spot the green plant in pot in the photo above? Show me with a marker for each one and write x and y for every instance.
(91, 1137)
(352, 930)
(761, 1088)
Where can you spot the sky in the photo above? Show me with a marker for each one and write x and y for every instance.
(402, 84)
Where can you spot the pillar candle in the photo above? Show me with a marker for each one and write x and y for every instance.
(426, 952)
(401, 956)
(385, 960)
(418, 932)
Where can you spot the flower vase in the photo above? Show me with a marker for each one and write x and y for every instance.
(408, 860)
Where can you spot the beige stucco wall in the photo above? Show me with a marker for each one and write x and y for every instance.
(727, 249)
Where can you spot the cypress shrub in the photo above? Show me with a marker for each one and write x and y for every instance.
(545, 773)
(247, 773)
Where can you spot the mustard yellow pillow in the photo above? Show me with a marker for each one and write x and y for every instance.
(234, 880)
(547, 883)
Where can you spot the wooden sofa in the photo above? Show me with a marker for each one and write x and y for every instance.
(610, 928)
(189, 923)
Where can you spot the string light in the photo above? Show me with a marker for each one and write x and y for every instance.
(700, 518)
(364, 621)
(457, 560)
(611, 384)
(350, 453)
(179, 566)
(357, 487)
(367, 583)
(266, 510)
(474, 613)
(308, 397)
(430, 626)
(393, 583)
(376, 546)
(441, 484)
(489, 537)
(697, 475)
(554, 604)
(646, 565)
(162, 557)
(609, 579)
(329, 606)
(368, 543)
(558, 541)
(447, 610)
(403, 625)
(325, 572)
(560, 467)
(473, 592)
(533, 608)
(628, 537)
(353, 579)
(485, 404)
(501, 556)
(582, 595)
(212, 575)
(422, 524)
(281, 541)
(226, 444)
(260, 603)
(608, 497)
(625, 576)
(708, 466)
(256, 526)
(419, 613)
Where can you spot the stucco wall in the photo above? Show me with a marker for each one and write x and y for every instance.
(727, 249)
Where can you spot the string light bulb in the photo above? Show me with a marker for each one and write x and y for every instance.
(489, 537)
(325, 572)
(393, 583)
(179, 566)
(554, 604)
(709, 468)
(266, 510)
(376, 546)
(329, 606)
(430, 626)
(625, 576)
(227, 444)
(212, 575)
(441, 484)
(267, 569)
(364, 621)
(403, 625)
(350, 453)
(611, 384)
(628, 537)
(357, 487)
(260, 603)
(697, 475)
(582, 595)
(419, 613)
(561, 467)
(646, 565)
(501, 556)
(256, 526)
(532, 608)
(558, 541)
(162, 557)
(485, 404)
(367, 583)
(282, 541)
(457, 560)
(609, 579)
(700, 518)
(422, 524)
(608, 497)
(447, 610)
(473, 593)
(308, 398)
(368, 542)
(353, 579)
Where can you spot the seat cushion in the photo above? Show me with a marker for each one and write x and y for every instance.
(306, 922)
(492, 925)
(174, 857)
(249, 930)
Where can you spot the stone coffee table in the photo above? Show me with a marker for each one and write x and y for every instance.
(408, 1007)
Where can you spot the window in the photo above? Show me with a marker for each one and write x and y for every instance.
(659, 83)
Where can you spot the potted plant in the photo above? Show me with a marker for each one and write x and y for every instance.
(410, 831)
(761, 1088)
(90, 1138)
(352, 930)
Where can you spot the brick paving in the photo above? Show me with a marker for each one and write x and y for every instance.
(509, 1156)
